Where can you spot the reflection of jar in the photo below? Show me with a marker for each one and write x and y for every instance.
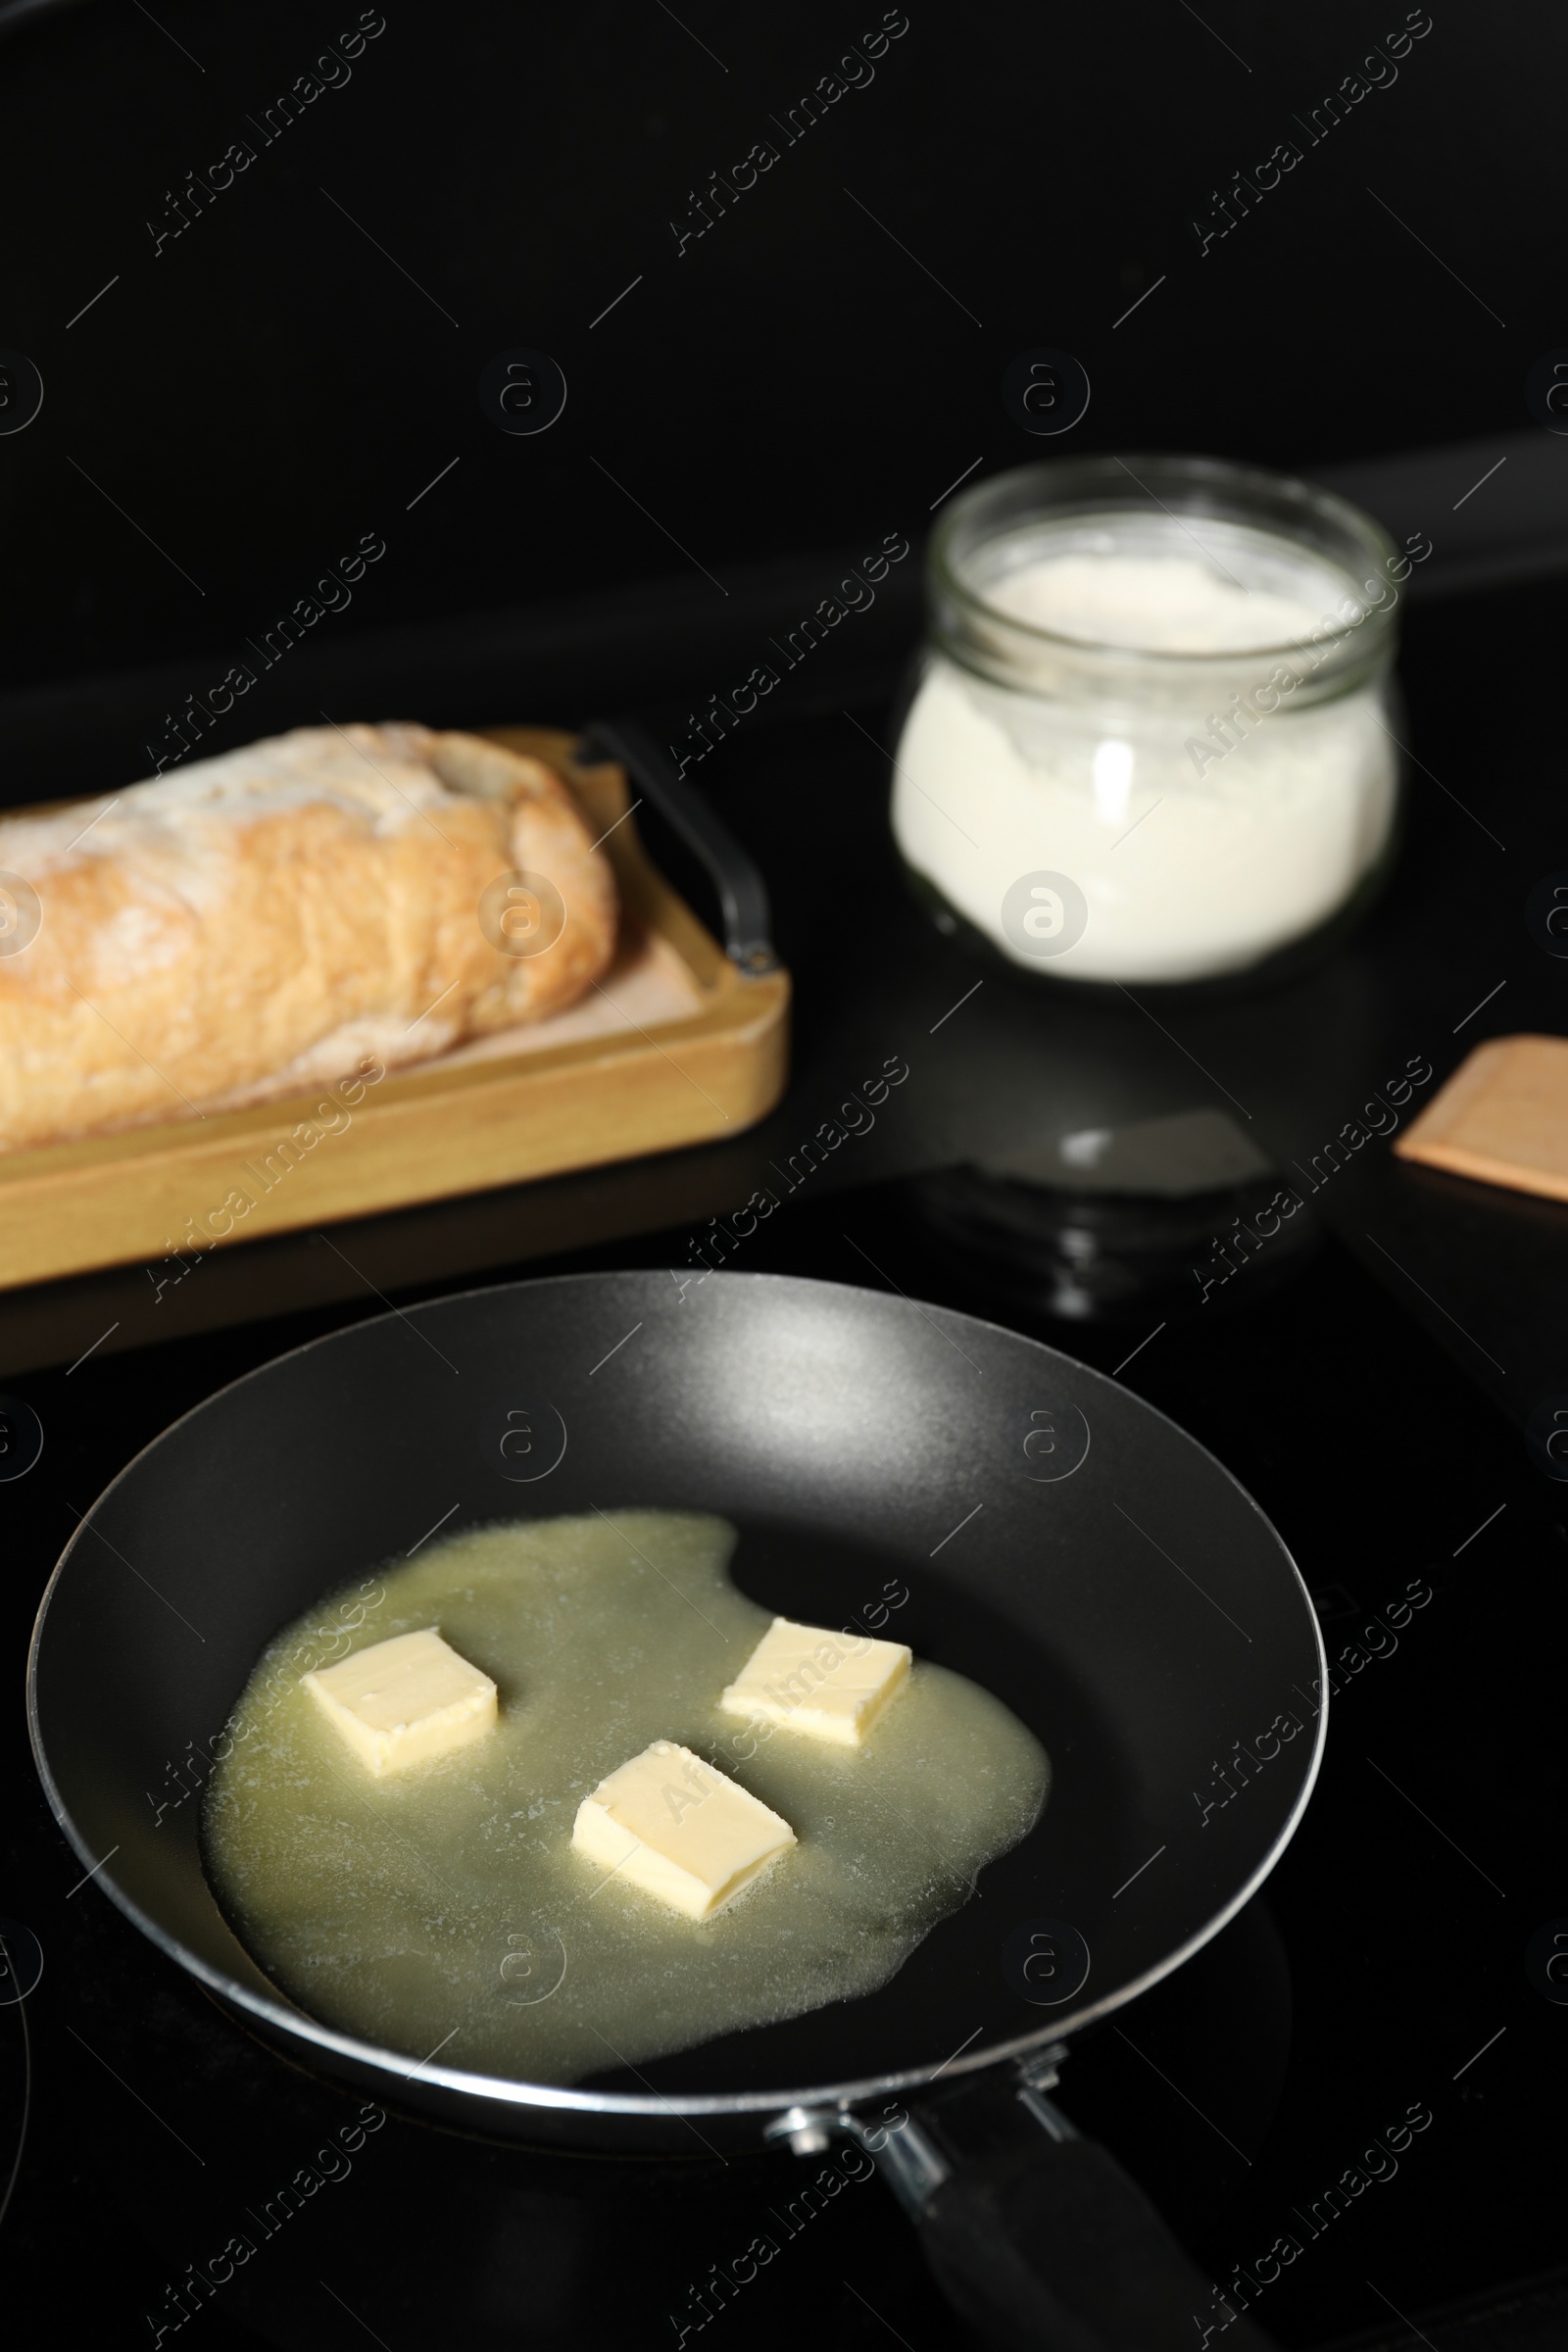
(1148, 739)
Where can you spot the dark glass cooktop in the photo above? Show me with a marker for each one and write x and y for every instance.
(1343, 2106)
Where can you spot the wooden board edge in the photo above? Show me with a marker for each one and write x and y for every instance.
(1511, 1175)
(1468, 1085)
(739, 1072)
(741, 1013)
(1458, 1094)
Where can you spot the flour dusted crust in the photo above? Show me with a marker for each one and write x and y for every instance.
(258, 923)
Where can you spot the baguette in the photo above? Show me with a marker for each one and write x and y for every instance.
(264, 922)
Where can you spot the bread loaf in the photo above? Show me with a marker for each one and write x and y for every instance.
(262, 922)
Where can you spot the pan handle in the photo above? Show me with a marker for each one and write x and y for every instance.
(742, 891)
(1036, 2236)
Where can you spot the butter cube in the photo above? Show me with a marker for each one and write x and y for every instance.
(820, 1683)
(401, 1701)
(671, 1824)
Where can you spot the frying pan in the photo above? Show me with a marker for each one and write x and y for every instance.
(1062, 1543)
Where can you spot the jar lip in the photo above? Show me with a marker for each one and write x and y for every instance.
(1080, 485)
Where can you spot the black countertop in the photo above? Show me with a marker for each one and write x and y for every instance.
(1383, 1970)
(1356, 1391)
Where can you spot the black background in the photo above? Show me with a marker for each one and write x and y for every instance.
(269, 384)
(798, 383)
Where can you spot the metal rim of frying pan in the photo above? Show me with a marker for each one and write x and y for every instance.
(366, 2061)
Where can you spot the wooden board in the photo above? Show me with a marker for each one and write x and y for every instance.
(677, 1046)
(1503, 1117)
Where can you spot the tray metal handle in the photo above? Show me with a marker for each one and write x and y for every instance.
(742, 891)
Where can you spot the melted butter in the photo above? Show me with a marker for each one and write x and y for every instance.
(445, 1904)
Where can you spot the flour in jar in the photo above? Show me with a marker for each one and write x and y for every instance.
(1205, 807)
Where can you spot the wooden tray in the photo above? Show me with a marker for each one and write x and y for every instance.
(677, 1046)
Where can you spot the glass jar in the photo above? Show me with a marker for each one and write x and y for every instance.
(1149, 739)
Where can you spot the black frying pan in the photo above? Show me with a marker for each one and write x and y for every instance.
(1108, 1579)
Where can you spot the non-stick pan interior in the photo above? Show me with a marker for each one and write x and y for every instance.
(1062, 1543)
